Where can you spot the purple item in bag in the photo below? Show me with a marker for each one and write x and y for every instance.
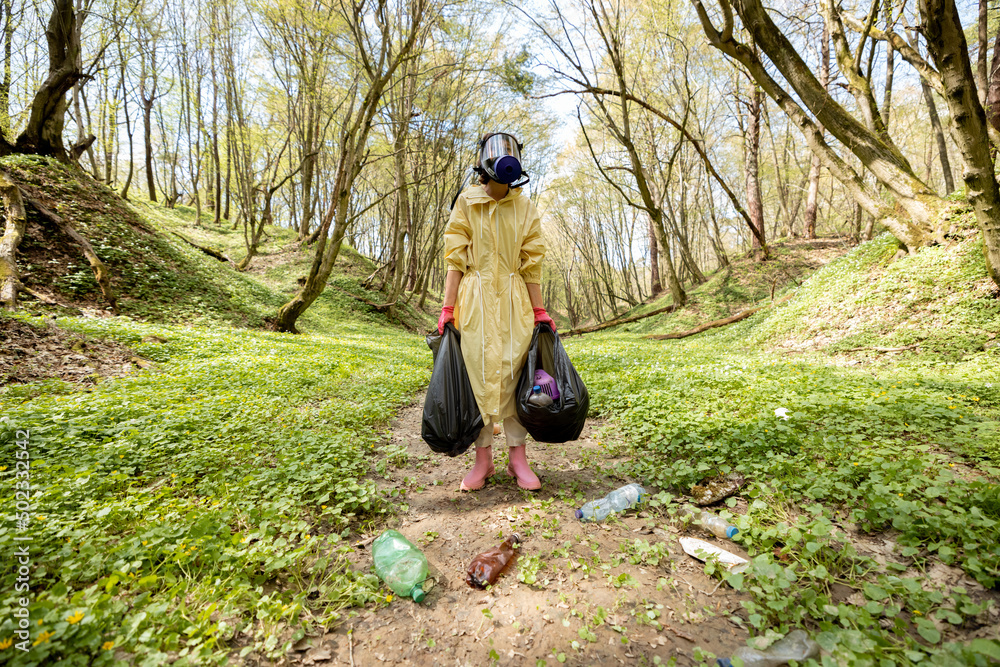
(547, 384)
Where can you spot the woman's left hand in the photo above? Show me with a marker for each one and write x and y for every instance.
(542, 316)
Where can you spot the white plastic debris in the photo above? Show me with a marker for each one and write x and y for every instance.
(703, 550)
(781, 412)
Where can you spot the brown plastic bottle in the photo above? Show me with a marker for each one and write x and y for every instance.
(485, 568)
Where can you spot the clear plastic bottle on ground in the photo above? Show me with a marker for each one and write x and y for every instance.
(616, 501)
(485, 568)
(796, 645)
(539, 399)
(710, 522)
(400, 564)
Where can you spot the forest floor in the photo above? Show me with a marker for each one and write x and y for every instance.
(619, 592)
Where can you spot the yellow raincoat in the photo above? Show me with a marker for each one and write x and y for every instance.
(497, 245)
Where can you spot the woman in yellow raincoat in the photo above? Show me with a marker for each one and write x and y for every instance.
(493, 247)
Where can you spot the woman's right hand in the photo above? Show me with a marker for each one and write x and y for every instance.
(447, 315)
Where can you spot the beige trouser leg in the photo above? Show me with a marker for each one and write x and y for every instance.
(515, 432)
(485, 438)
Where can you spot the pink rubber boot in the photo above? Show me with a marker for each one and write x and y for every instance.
(518, 467)
(481, 471)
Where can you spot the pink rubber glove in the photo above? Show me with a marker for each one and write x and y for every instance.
(542, 316)
(447, 315)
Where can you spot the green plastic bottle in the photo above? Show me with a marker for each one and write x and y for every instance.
(400, 564)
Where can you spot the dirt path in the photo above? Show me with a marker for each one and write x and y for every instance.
(595, 600)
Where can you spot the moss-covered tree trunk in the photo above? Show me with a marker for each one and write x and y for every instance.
(43, 133)
(946, 42)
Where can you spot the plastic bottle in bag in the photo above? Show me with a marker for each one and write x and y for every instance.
(485, 568)
(538, 398)
(710, 522)
(400, 564)
(618, 500)
(796, 645)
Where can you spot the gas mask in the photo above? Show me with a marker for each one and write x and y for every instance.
(500, 159)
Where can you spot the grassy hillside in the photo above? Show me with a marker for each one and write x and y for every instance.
(744, 284)
(871, 508)
(157, 275)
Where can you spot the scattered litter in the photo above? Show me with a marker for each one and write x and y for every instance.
(710, 522)
(618, 500)
(781, 412)
(715, 490)
(796, 646)
(702, 550)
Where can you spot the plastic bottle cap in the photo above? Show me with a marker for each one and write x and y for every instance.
(417, 594)
(536, 388)
(723, 662)
(579, 514)
(731, 530)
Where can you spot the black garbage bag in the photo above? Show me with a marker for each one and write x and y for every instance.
(452, 420)
(563, 420)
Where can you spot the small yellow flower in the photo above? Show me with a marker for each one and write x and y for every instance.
(44, 637)
(388, 598)
(975, 398)
(917, 612)
(173, 474)
(107, 646)
(322, 507)
(75, 618)
(951, 407)
(144, 542)
(6, 643)
(307, 536)
(2, 468)
(856, 463)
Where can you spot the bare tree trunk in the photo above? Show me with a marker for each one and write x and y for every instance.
(812, 197)
(229, 172)
(147, 127)
(6, 6)
(10, 282)
(993, 93)
(942, 145)
(655, 286)
(751, 167)
(43, 133)
(946, 43)
(128, 121)
(869, 228)
(890, 69)
(717, 244)
(982, 81)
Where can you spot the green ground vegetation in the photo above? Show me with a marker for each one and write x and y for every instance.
(905, 449)
(210, 496)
